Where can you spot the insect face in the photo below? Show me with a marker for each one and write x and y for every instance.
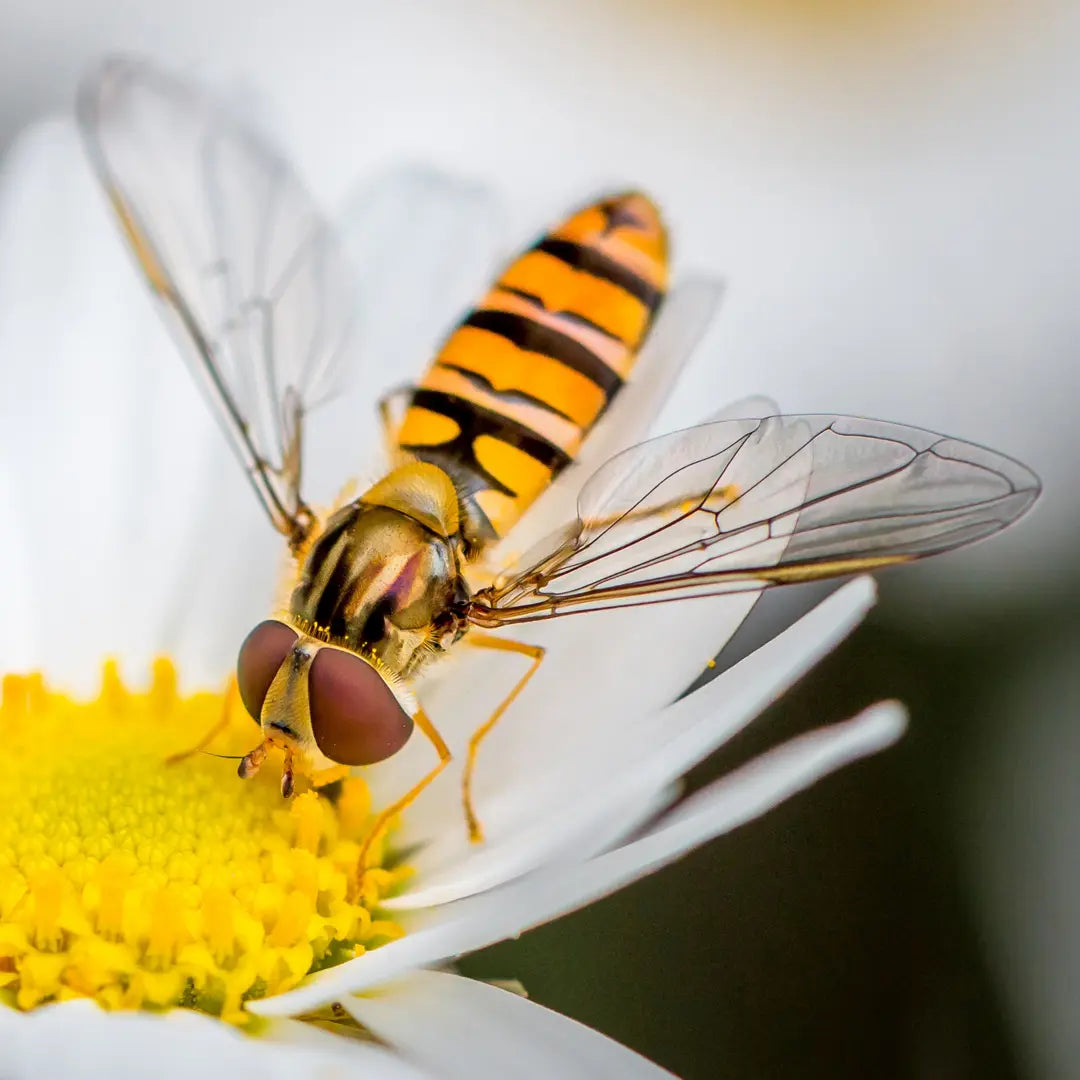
(322, 704)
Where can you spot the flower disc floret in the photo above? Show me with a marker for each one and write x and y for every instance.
(148, 882)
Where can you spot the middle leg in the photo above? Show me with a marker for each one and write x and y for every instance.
(489, 641)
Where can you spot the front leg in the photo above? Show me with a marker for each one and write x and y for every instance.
(228, 704)
(391, 416)
(320, 778)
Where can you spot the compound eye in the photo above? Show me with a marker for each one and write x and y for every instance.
(263, 652)
(355, 718)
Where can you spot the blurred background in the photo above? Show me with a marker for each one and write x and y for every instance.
(889, 190)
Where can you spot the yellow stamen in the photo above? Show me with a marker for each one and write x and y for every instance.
(148, 885)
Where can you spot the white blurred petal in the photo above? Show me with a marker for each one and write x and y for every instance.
(478, 921)
(468, 1030)
(78, 1039)
(18, 634)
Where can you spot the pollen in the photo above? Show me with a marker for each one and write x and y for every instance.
(144, 878)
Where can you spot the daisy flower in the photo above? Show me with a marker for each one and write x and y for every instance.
(133, 881)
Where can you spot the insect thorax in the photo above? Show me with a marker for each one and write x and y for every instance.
(378, 580)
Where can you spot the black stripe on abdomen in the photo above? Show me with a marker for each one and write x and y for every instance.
(569, 316)
(511, 397)
(533, 336)
(474, 420)
(600, 266)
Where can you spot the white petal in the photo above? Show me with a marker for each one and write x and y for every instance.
(550, 814)
(589, 822)
(19, 644)
(479, 921)
(77, 1039)
(339, 1054)
(468, 1030)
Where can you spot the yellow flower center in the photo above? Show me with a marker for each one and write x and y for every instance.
(148, 884)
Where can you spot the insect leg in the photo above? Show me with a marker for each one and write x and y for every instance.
(390, 416)
(232, 694)
(489, 641)
(288, 776)
(324, 777)
(425, 725)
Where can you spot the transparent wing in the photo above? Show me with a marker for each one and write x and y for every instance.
(248, 271)
(743, 504)
(681, 322)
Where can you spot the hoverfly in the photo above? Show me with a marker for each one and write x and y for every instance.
(250, 277)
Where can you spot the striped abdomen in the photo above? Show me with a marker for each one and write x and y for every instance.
(516, 388)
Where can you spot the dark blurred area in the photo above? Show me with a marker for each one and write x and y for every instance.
(835, 937)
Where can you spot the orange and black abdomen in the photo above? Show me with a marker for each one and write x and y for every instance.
(516, 388)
